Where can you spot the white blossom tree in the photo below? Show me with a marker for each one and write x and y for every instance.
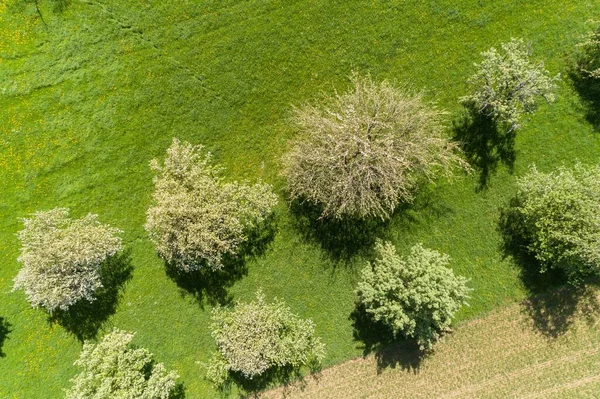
(257, 336)
(62, 257)
(112, 368)
(508, 84)
(196, 218)
(589, 61)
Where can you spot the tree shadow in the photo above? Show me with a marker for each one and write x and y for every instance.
(84, 319)
(60, 5)
(349, 241)
(426, 207)
(341, 239)
(178, 392)
(276, 376)
(588, 90)
(212, 286)
(207, 285)
(552, 305)
(5, 329)
(554, 313)
(378, 339)
(484, 143)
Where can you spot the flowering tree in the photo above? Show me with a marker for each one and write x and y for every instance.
(112, 368)
(508, 84)
(196, 218)
(255, 337)
(62, 257)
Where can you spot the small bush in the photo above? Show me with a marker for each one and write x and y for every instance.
(365, 152)
(507, 84)
(416, 297)
(112, 368)
(196, 218)
(62, 258)
(256, 337)
(556, 218)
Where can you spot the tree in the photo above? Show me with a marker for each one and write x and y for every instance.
(589, 60)
(507, 84)
(256, 337)
(62, 257)
(556, 218)
(416, 296)
(196, 217)
(112, 368)
(365, 152)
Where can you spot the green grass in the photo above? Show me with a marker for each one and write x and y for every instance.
(88, 100)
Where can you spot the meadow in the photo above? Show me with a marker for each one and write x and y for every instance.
(95, 90)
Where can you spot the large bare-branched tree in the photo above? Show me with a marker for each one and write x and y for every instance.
(365, 151)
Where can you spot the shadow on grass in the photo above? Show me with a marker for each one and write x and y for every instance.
(276, 376)
(589, 92)
(349, 241)
(84, 319)
(426, 207)
(552, 305)
(553, 313)
(60, 6)
(341, 239)
(211, 286)
(207, 285)
(178, 392)
(378, 339)
(484, 143)
(5, 329)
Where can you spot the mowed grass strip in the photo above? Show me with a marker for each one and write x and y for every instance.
(504, 354)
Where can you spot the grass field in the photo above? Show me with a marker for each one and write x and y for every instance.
(501, 355)
(89, 97)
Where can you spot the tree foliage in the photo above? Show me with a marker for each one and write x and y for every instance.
(508, 84)
(196, 217)
(589, 61)
(112, 368)
(556, 217)
(62, 257)
(416, 296)
(257, 336)
(365, 151)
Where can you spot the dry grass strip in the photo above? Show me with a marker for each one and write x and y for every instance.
(543, 348)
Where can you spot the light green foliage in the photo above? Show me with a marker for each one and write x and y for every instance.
(255, 337)
(62, 257)
(196, 217)
(364, 153)
(113, 369)
(557, 217)
(590, 59)
(416, 297)
(507, 84)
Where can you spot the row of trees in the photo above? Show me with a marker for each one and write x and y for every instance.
(359, 156)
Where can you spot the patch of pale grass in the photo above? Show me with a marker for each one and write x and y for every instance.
(504, 354)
